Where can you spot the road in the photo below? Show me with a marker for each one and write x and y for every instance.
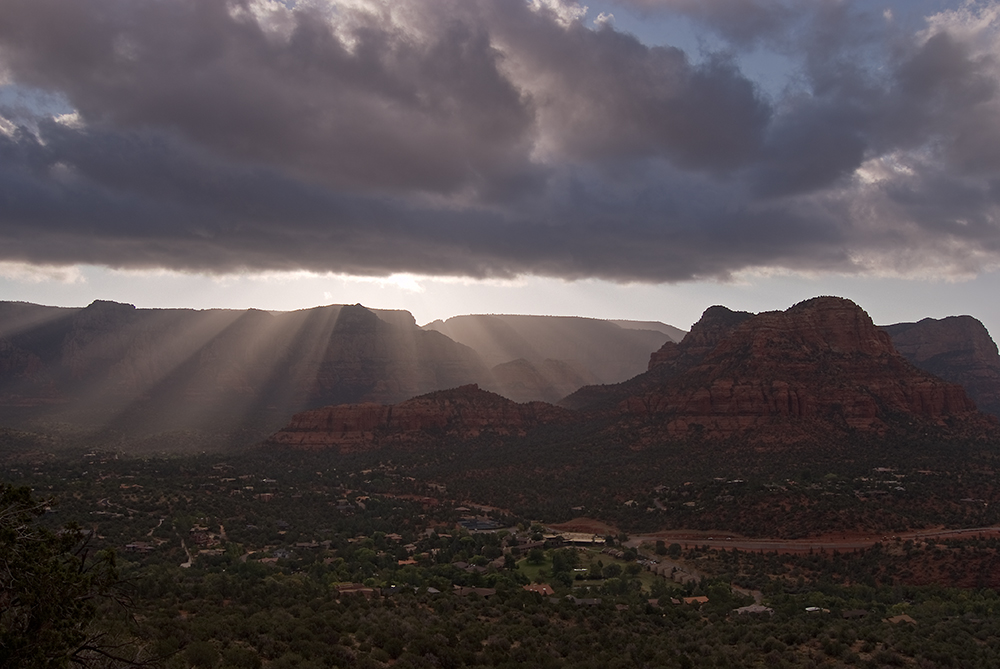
(833, 542)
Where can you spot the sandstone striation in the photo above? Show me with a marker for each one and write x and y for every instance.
(463, 413)
(958, 349)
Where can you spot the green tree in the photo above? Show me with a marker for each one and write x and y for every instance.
(536, 556)
(613, 570)
(51, 592)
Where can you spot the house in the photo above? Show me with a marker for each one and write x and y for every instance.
(199, 535)
(754, 608)
(527, 546)
(543, 589)
(581, 539)
(683, 577)
(696, 601)
(356, 589)
(212, 552)
(903, 618)
(479, 524)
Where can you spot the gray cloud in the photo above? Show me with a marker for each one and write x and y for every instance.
(744, 22)
(495, 137)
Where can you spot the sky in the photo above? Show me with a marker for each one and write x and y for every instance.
(639, 159)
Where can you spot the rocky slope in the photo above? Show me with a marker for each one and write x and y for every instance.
(958, 349)
(460, 413)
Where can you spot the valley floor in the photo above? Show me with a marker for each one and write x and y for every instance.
(274, 561)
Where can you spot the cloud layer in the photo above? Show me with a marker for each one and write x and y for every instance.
(495, 138)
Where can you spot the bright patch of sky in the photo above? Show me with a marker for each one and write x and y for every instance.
(429, 298)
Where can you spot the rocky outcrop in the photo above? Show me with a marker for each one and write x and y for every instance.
(666, 363)
(957, 349)
(713, 326)
(820, 365)
(462, 413)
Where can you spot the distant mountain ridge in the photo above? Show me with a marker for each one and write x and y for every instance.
(239, 375)
(222, 372)
(608, 350)
(169, 369)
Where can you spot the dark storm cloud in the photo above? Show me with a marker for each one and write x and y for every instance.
(602, 95)
(389, 111)
(492, 138)
(66, 185)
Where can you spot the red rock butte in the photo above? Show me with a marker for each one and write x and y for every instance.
(464, 412)
(822, 360)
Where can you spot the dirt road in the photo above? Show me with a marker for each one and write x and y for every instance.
(839, 542)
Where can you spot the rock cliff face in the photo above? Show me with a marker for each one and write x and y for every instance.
(715, 324)
(958, 349)
(465, 412)
(820, 365)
